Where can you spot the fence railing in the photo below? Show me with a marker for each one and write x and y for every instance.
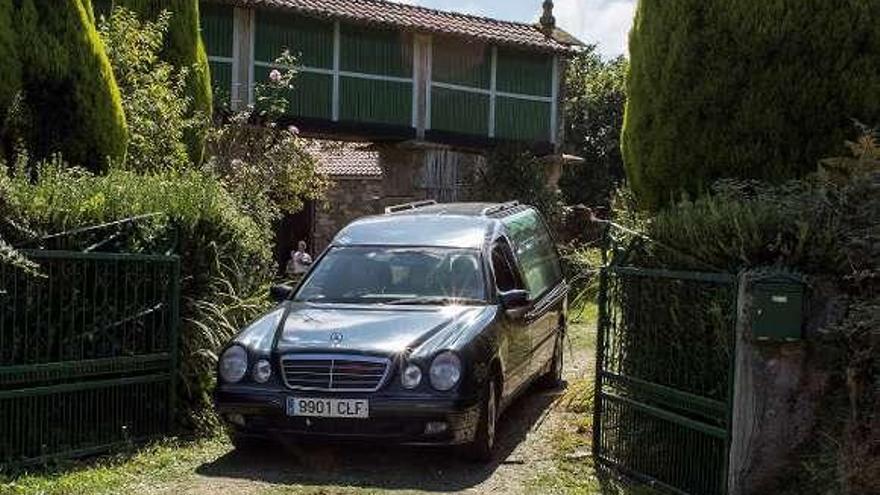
(664, 377)
(87, 353)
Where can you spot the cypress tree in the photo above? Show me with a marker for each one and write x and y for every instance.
(68, 84)
(90, 10)
(184, 48)
(758, 89)
(10, 66)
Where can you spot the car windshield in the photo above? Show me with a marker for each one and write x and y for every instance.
(398, 275)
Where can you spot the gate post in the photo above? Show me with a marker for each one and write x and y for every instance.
(774, 393)
(743, 400)
(601, 329)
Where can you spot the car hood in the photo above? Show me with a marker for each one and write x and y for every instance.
(370, 329)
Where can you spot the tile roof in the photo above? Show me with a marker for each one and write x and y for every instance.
(417, 18)
(344, 159)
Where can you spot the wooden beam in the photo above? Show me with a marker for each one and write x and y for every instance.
(429, 82)
(242, 57)
(421, 83)
(493, 91)
(337, 51)
(554, 104)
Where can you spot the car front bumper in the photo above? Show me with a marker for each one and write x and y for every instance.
(417, 420)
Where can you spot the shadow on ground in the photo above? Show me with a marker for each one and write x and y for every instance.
(381, 466)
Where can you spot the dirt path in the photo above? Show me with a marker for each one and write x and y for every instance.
(525, 450)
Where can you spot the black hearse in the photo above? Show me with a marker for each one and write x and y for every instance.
(418, 326)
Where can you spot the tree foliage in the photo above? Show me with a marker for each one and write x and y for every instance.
(185, 50)
(154, 93)
(10, 65)
(515, 173)
(749, 89)
(70, 94)
(595, 99)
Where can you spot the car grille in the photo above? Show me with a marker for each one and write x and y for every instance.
(339, 373)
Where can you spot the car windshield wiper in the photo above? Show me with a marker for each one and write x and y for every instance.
(434, 300)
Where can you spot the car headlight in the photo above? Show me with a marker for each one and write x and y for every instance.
(411, 377)
(445, 371)
(233, 364)
(262, 371)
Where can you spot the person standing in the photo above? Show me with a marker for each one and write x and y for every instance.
(300, 261)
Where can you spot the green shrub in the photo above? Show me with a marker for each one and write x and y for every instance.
(515, 173)
(825, 224)
(750, 89)
(746, 224)
(154, 95)
(595, 99)
(68, 85)
(184, 49)
(226, 259)
(267, 168)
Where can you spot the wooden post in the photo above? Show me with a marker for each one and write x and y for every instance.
(242, 57)
(744, 402)
(421, 83)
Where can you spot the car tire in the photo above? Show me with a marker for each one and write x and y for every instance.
(244, 443)
(482, 447)
(553, 378)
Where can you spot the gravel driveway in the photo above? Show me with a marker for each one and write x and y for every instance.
(525, 449)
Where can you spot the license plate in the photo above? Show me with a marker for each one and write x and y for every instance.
(328, 408)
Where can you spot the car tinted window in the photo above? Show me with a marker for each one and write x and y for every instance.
(534, 251)
(502, 265)
(379, 274)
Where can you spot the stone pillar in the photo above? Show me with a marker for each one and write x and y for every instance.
(776, 391)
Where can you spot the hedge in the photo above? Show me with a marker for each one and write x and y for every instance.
(72, 97)
(749, 89)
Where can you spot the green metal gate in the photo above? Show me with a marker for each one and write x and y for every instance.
(87, 353)
(664, 377)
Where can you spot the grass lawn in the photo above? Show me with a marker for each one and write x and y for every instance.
(122, 473)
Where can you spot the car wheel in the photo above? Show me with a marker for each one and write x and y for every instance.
(243, 443)
(483, 446)
(553, 377)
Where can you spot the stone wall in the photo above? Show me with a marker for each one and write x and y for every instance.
(347, 200)
(404, 179)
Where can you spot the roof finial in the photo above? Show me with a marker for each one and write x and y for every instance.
(548, 22)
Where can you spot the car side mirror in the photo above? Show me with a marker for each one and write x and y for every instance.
(515, 302)
(281, 292)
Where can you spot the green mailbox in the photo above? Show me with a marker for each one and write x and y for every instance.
(778, 303)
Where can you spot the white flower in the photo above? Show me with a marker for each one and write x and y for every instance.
(275, 76)
(293, 130)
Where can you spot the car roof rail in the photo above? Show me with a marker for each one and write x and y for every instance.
(503, 209)
(410, 206)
